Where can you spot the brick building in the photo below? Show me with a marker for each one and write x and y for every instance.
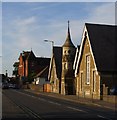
(30, 65)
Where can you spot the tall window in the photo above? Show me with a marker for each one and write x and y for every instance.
(94, 81)
(87, 69)
(81, 79)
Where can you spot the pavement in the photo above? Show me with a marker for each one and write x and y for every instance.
(75, 98)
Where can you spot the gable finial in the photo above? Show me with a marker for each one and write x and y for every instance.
(68, 24)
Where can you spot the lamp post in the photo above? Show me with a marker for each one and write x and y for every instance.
(50, 41)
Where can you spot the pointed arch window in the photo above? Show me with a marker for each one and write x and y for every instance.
(88, 69)
(69, 51)
(94, 80)
(81, 81)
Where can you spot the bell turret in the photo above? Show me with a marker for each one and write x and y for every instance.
(68, 54)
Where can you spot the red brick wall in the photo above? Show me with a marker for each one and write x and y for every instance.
(21, 66)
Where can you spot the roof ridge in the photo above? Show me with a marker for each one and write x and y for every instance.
(98, 24)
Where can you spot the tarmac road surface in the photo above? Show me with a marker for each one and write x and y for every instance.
(20, 104)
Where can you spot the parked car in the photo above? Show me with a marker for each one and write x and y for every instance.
(11, 85)
(16, 86)
(113, 90)
(5, 86)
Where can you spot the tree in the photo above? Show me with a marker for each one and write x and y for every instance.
(15, 71)
(31, 77)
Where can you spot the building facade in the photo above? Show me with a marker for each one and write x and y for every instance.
(96, 70)
(30, 65)
(55, 70)
(68, 54)
(61, 74)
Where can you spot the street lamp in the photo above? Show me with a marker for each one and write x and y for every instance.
(50, 41)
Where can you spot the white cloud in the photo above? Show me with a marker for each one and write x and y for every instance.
(27, 21)
(29, 33)
(104, 14)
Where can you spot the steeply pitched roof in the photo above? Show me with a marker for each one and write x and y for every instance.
(43, 61)
(68, 42)
(43, 73)
(31, 55)
(103, 43)
(57, 54)
(40, 64)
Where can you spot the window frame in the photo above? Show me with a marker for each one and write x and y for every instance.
(88, 69)
(94, 80)
(81, 80)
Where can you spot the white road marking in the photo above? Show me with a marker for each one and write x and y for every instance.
(31, 96)
(97, 104)
(39, 98)
(54, 102)
(104, 117)
(76, 109)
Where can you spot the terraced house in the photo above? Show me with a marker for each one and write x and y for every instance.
(96, 64)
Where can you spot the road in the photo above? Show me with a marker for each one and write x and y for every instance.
(26, 105)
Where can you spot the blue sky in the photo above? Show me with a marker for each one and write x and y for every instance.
(58, 0)
(25, 25)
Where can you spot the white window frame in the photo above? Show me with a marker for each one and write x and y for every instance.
(94, 80)
(81, 80)
(87, 69)
(77, 82)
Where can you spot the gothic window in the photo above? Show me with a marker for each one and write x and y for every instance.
(94, 81)
(69, 51)
(88, 69)
(65, 51)
(81, 80)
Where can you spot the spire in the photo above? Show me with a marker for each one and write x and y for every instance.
(68, 31)
(68, 42)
